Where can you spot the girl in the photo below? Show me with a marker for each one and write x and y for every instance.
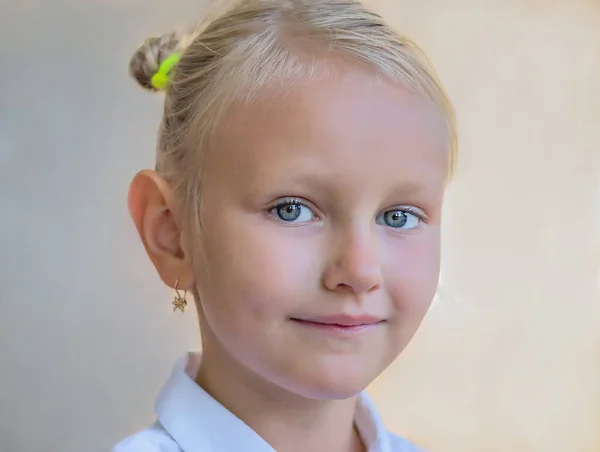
(302, 161)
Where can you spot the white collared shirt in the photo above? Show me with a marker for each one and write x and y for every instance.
(190, 420)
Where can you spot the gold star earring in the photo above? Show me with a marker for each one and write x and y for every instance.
(179, 302)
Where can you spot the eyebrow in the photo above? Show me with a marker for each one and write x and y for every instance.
(321, 182)
(410, 188)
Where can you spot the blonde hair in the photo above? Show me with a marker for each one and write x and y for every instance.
(254, 44)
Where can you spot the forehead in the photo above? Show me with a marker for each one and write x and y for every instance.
(353, 125)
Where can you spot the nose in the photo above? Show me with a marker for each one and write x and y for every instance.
(355, 266)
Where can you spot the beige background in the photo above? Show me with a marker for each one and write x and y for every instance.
(509, 358)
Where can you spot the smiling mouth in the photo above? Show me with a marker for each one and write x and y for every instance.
(341, 325)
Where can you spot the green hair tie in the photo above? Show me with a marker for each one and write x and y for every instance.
(160, 80)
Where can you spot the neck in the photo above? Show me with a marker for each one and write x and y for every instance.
(285, 420)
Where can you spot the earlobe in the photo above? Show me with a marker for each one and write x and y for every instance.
(153, 210)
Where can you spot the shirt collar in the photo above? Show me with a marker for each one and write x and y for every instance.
(197, 422)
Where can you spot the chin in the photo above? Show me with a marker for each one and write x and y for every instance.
(326, 391)
(334, 384)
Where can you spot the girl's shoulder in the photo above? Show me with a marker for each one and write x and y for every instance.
(153, 439)
(399, 444)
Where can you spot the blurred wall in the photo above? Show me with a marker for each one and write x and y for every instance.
(509, 357)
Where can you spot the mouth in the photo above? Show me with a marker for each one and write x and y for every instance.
(343, 325)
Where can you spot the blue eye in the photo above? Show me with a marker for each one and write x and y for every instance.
(400, 219)
(292, 211)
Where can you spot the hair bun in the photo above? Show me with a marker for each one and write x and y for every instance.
(148, 58)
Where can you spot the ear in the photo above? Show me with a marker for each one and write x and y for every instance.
(155, 212)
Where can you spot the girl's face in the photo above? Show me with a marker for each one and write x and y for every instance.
(321, 214)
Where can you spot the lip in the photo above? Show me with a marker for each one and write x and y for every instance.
(340, 325)
(342, 320)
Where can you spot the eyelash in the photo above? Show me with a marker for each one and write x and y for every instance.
(287, 201)
(413, 211)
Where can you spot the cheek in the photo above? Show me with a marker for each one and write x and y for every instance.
(411, 272)
(261, 271)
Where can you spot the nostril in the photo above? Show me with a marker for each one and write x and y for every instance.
(374, 288)
(343, 287)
